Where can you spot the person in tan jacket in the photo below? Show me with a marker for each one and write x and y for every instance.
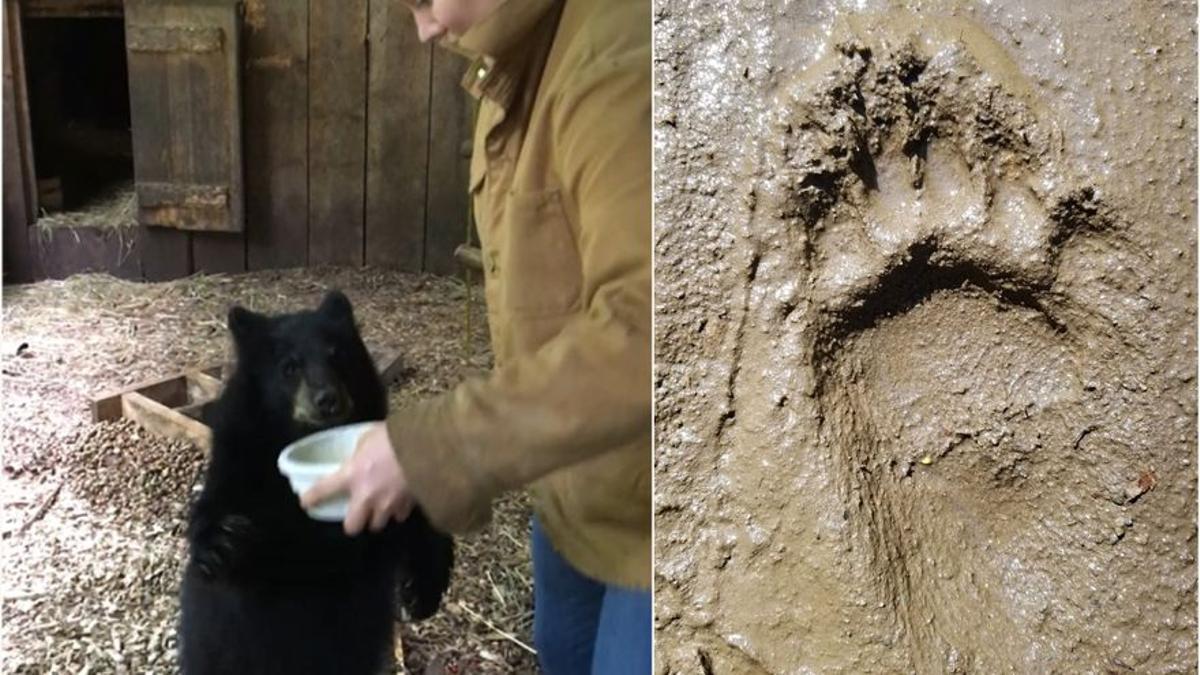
(560, 181)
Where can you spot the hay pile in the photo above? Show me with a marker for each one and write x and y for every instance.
(113, 207)
(93, 514)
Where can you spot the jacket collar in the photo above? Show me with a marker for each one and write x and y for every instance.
(493, 45)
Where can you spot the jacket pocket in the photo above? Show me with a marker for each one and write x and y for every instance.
(539, 259)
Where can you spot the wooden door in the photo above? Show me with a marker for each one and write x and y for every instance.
(185, 109)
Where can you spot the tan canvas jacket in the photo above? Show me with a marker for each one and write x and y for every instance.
(560, 179)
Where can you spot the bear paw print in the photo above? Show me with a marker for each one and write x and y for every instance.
(951, 362)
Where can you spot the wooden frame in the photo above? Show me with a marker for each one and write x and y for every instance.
(159, 419)
(167, 407)
(171, 406)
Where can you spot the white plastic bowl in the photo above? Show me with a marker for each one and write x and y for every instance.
(315, 456)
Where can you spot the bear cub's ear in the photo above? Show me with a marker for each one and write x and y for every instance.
(245, 325)
(337, 306)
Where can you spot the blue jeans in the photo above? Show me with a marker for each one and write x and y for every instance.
(582, 626)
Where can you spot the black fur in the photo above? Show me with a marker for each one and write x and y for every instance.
(266, 588)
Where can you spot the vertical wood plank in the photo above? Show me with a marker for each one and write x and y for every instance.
(218, 253)
(18, 256)
(450, 127)
(276, 138)
(214, 252)
(397, 139)
(165, 253)
(337, 130)
(24, 123)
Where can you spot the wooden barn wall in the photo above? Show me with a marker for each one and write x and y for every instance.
(355, 151)
(18, 256)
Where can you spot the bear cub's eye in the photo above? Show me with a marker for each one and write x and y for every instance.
(291, 366)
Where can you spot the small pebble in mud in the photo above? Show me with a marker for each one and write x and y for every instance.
(1122, 526)
(1145, 483)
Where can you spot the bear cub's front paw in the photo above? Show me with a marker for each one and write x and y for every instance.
(217, 548)
(415, 603)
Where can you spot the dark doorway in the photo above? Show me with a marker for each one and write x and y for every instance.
(78, 85)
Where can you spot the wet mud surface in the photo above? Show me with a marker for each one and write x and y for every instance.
(925, 360)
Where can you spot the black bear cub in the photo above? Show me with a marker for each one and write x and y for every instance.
(267, 589)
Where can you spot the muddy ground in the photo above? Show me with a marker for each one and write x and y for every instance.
(93, 515)
(926, 350)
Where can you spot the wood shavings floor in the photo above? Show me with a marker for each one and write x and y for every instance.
(93, 515)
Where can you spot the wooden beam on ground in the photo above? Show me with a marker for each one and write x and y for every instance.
(164, 421)
(194, 410)
(172, 406)
(202, 387)
(61, 252)
(389, 364)
(170, 391)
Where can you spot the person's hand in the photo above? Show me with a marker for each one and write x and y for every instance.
(374, 481)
